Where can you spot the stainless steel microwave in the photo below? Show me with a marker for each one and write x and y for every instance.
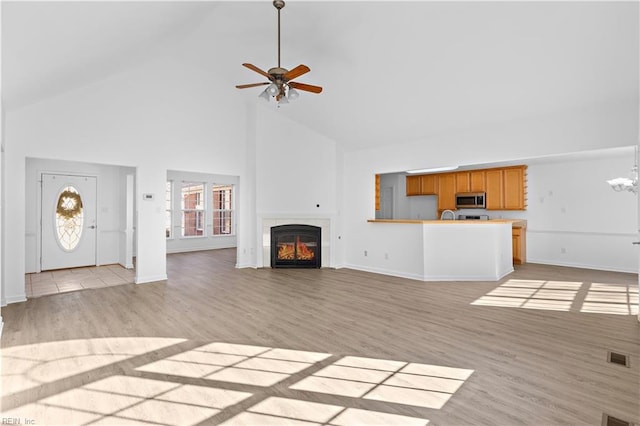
(471, 200)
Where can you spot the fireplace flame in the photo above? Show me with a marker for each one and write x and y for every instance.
(287, 251)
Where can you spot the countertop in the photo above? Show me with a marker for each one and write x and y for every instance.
(516, 223)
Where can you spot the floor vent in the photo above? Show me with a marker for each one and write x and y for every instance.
(616, 358)
(608, 420)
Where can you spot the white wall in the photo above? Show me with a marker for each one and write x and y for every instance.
(110, 199)
(162, 115)
(576, 219)
(2, 179)
(296, 173)
(177, 243)
(603, 127)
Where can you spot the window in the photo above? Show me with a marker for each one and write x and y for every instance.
(69, 218)
(192, 203)
(222, 209)
(168, 200)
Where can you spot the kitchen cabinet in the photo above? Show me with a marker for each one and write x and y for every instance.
(471, 181)
(519, 240)
(428, 184)
(446, 191)
(377, 192)
(506, 188)
(463, 182)
(422, 185)
(413, 185)
(514, 188)
(493, 187)
(477, 181)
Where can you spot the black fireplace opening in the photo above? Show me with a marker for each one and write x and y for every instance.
(296, 246)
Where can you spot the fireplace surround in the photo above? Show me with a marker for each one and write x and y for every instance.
(296, 246)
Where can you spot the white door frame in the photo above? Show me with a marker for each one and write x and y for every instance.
(39, 211)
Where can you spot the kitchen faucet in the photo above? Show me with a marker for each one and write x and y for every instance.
(453, 215)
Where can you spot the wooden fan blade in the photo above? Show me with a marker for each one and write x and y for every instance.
(246, 86)
(305, 87)
(258, 70)
(296, 72)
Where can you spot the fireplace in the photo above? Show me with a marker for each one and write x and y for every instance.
(295, 246)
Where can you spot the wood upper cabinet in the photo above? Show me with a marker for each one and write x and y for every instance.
(377, 192)
(471, 181)
(493, 187)
(506, 188)
(463, 182)
(429, 184)
(447, 191)
(514, 187)
(477, 181)
(422, 185)
(413, 185)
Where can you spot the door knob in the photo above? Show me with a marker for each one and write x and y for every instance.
(92, 227)
(635, 243)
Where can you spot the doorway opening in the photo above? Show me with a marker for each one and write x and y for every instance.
(80, 225)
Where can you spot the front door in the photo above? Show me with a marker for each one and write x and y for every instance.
(68, 221)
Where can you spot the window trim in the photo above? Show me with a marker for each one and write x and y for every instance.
(171, 209)
(202, 210)
(231, 209)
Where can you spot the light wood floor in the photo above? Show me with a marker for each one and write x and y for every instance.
(215, 344)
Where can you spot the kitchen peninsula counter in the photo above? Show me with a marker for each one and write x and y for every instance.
(442, 250)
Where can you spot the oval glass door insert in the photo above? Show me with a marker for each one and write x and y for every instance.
(69, 218)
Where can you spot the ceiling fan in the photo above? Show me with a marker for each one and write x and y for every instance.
(280, 85)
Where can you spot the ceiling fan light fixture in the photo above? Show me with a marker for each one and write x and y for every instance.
(272, 89)
(279, 77)
(265, 95)
(293, 94)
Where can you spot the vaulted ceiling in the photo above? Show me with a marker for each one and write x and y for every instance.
(391, 71)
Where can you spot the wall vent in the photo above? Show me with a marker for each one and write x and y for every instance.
(608, 420)
(618, 358)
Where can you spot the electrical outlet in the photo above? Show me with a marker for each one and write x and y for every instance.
(563, 250)
(365, 253)
(386, 256)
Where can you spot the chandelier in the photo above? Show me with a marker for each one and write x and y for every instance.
(629, 183)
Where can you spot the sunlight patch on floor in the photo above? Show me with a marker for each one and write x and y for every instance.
(250, 365)
(163, 391)
(567, 296)
(33, 365)
(420, 385)
(282, 411)
(123, 399)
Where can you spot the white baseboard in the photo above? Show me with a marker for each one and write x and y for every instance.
(174, 250)
(384, 272)
(150, 279)
(246, 265)
(14, 299)
(581, 266)
(429, 278)
(468, 278)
